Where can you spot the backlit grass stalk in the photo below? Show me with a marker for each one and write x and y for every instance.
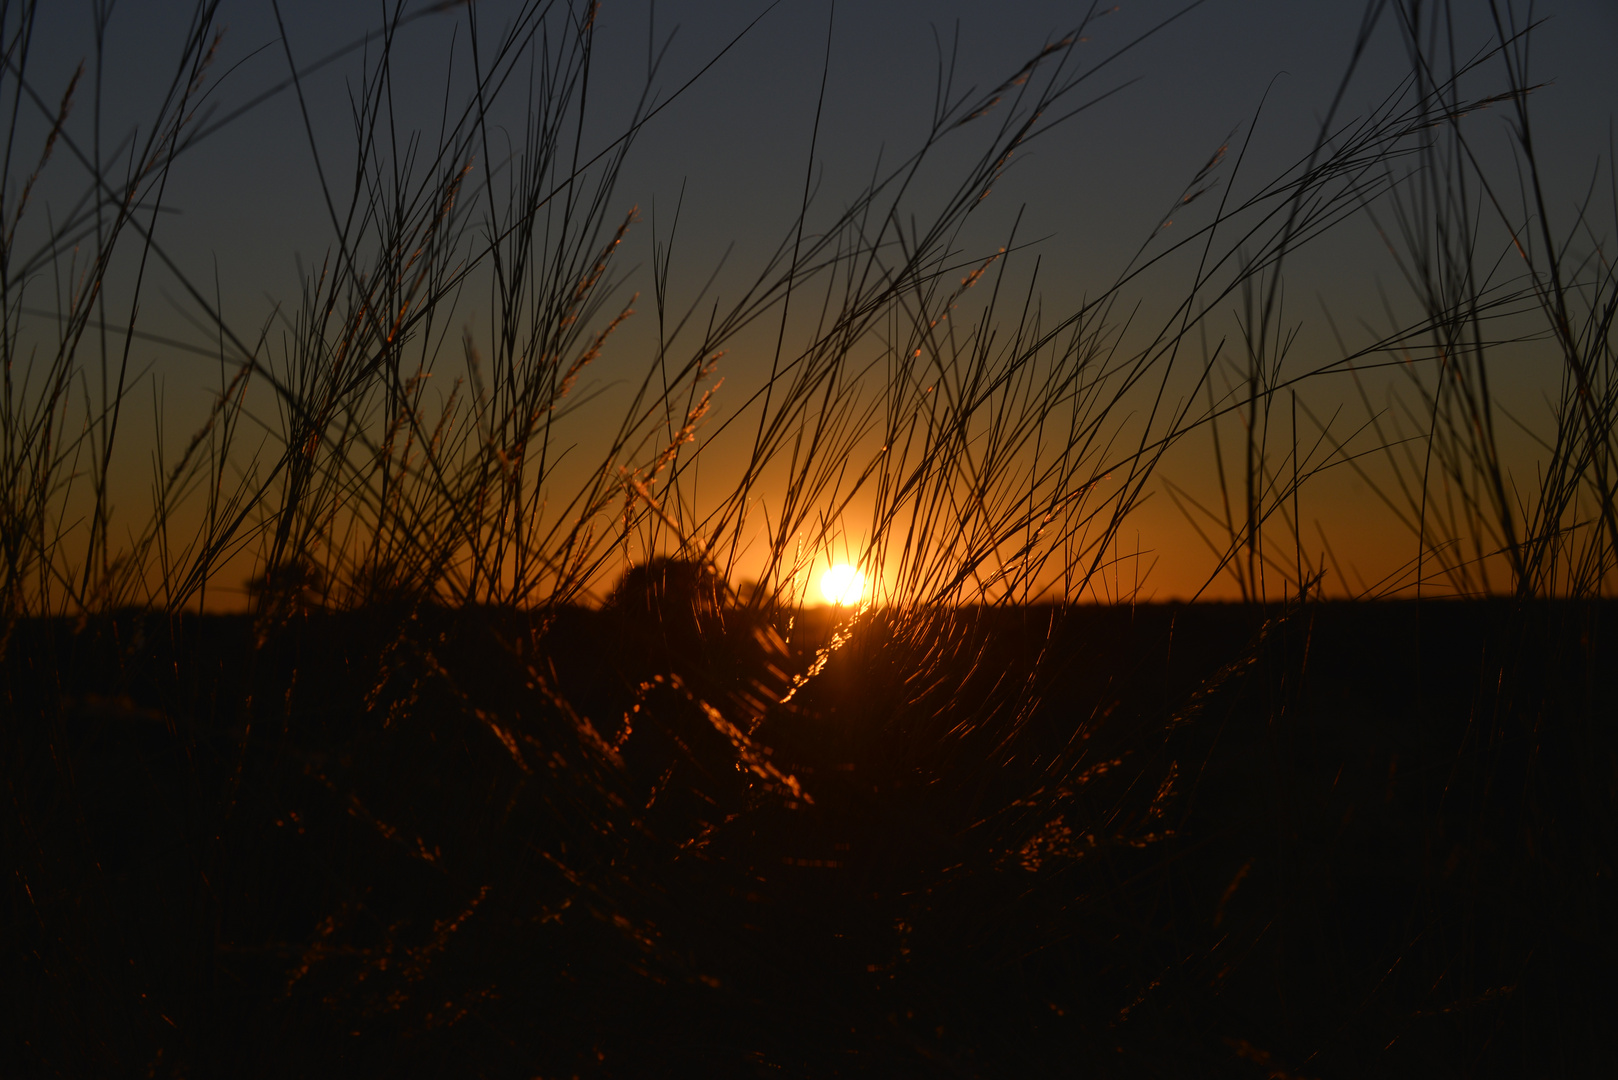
(987, 458)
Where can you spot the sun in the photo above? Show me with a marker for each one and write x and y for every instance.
(842, 584)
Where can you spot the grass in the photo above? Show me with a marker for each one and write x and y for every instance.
(501, 769)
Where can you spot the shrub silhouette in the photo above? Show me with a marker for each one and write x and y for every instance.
(670, 590)
(423, 785)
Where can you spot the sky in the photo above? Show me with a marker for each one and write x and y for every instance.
(1176, 81)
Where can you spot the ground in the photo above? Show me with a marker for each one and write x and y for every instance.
(1213, 840)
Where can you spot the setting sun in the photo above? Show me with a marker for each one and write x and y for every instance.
(842, 584)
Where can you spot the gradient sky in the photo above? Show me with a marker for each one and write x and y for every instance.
(739, 139)
(248, 201)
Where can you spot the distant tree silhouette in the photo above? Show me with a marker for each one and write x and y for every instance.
(291, 587)
(672, 591)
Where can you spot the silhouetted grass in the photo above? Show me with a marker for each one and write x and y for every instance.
(501, 771)
(1216, 836)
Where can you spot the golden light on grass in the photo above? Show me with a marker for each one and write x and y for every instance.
(842, 584)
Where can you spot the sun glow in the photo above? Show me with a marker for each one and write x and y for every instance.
(842, 584)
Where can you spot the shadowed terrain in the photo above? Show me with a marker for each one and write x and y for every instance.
(1343, 840)
(521, 754)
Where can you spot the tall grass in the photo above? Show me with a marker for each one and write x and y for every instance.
(1495, 282)
(987, 461)
(408, 480)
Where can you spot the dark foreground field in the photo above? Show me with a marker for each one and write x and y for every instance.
(1344, 841)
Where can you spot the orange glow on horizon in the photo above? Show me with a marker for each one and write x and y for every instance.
(842, 585)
